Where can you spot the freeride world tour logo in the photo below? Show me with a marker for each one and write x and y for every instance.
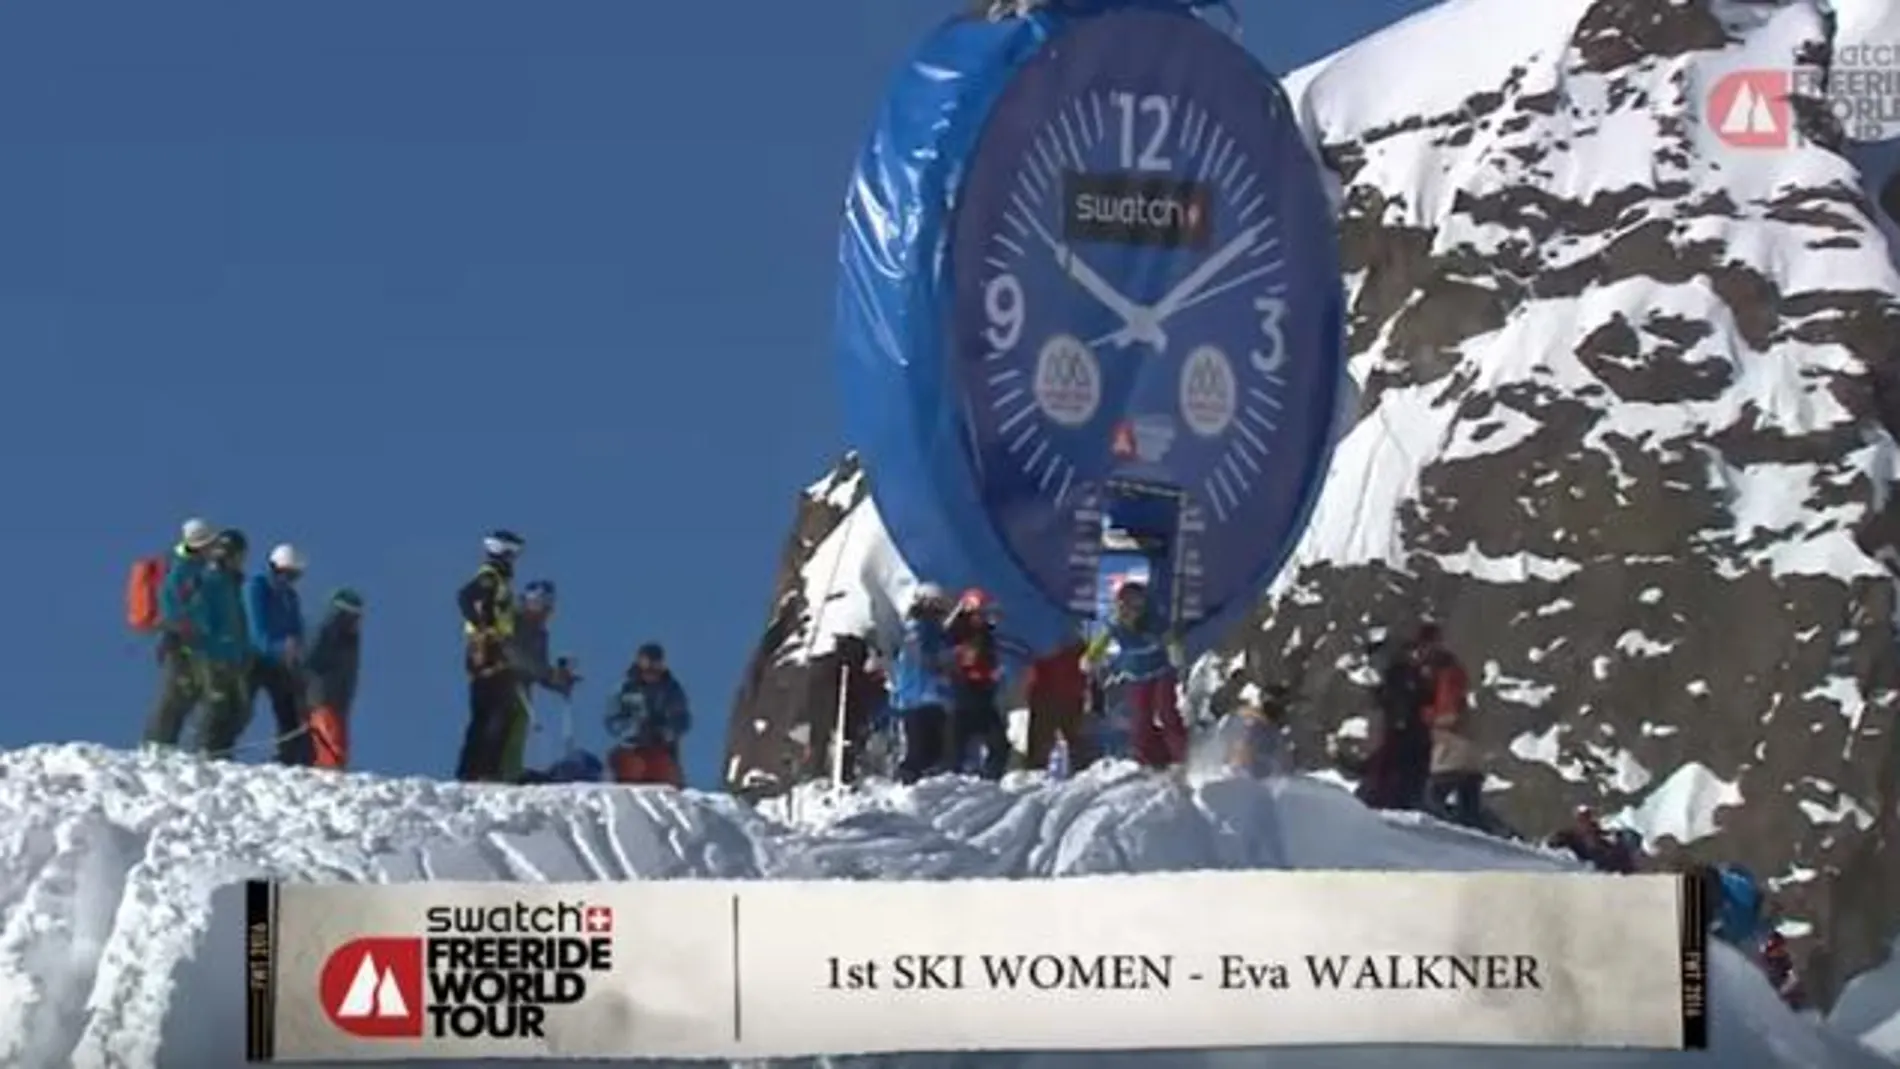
(478, 972)
(1753, 109)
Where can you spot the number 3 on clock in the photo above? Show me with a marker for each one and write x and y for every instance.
(1269, 360)
(1158, 111)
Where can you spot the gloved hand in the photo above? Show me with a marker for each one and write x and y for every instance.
(562, 680)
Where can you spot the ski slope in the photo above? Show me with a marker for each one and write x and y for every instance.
(120, 928)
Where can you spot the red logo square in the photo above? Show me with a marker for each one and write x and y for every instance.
(372, 988)
(1749, 109)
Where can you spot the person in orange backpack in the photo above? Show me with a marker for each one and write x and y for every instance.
(649, 718)
(160, 600)
(331, 675)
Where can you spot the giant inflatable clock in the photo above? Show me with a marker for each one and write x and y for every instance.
(1124, 271)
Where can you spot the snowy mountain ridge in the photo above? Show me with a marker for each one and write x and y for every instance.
(121, 912)
(1627, 427)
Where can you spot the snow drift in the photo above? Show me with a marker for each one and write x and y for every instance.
(120, 925)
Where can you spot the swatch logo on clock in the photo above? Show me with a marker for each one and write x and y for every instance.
(1136, 209)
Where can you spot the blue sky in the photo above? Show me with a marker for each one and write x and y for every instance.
(376, 278)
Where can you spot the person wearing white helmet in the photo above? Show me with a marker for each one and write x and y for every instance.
(159, 600)
(276, 620)
(495, 702)
(220, 643)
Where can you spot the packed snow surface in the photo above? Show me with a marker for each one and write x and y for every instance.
(120, 929)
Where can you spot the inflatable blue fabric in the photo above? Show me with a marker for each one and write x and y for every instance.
(895, 231)
(895, 290)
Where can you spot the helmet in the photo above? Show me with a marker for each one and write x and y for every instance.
(1129, 588)
(287, 558)
(503, 543)
(197, 533)
(928, 594)
(347, 600)
(974, 600)
(232, 541)
(651, 651)
(540, 592)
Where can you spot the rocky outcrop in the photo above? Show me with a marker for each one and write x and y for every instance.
(1629, 403)
(785, 714)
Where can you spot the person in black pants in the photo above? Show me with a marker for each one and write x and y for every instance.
(975, 717)
(487, 602)
(920, 694)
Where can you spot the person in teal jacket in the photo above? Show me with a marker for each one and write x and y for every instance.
(220, 641)
(180, 683)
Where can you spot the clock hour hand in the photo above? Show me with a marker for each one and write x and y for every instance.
(1188, 288)
(1138, 323)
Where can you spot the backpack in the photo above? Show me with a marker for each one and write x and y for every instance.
(1738, 902)
(142, 606)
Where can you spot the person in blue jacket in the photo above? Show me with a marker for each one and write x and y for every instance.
(920, 686)
(220, 642)
(1137, 661)
(648, 718)
(277, 635)
(1739, 906)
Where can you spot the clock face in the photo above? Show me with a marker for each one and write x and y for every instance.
(1146, 289)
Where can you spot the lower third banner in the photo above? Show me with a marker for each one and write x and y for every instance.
(760, 969)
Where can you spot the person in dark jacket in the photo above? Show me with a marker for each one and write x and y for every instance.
(330, 672)
(648, 718)
(528, 652)
(1778, 963)
(975, 718)
(1455, 787)
(1252, 737)
(920, 687)
(1400, 764)
(222, 645)
(1594, 845)
(495, 702)
(181, 674)
(277, 632)
(1057, 693)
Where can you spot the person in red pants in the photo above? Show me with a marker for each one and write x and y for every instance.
(1057, 693)
(1137, 664)
(649, 717)
(331, 671)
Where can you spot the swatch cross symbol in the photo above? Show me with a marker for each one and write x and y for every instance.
(598, 919)
(1750, 109)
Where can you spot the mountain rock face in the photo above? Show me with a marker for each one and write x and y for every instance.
(1629, 402)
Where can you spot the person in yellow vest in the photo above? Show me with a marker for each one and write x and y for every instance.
(495, 702)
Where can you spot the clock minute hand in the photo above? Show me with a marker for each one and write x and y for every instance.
(1138, 323)
(1210, 267)
(1188, 288)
